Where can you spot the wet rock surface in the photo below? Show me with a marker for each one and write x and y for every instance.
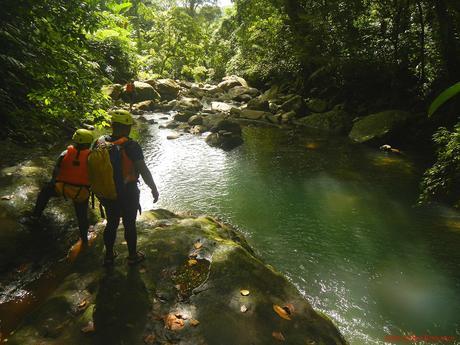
(200, 284)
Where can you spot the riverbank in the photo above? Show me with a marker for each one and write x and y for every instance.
(200, 284)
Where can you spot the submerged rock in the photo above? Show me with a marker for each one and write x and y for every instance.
(380, 127)
(200, 284)
(334, 121)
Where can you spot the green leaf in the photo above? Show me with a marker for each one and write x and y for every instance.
(443, 98)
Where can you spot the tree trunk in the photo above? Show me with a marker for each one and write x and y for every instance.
(449, 46)
(422, 42)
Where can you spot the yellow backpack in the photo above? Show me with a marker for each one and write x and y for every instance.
(100, 172)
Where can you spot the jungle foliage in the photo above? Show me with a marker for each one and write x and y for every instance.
(368, 54)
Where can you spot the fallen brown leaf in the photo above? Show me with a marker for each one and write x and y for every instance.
(142, 270)
(281, 312)
(244, 292)
(243, 309)
(173, 323)
(198, 245)
(192, 262)
(194, 322)
(149, 339)
(7, 197)
(89, 328)
(278, 336)
(82, 304)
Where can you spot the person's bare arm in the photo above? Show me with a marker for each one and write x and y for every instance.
(141, 167)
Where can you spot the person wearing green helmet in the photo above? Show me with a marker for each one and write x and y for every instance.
(70, 180)
(126, 203)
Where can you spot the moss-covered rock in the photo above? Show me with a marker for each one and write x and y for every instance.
(380, 127)
(187, 291)
(142, 92)
(167, 88)
(334, 121)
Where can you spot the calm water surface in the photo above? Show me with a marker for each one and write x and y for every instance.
(335, 218)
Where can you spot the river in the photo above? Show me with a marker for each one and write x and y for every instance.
(337, 219)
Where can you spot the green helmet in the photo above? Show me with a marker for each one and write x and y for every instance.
(122, 116)
(82, 136)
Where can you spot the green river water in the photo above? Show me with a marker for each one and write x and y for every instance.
(337, 219)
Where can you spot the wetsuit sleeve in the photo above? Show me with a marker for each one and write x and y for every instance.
(57, 166)
(134, 151)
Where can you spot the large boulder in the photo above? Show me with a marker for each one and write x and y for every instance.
(316, 105)
(259, 103)
(335, 121)
(226, 125)
(254, 114)
(232, 81)
(145, 106)
(220, 106)
(143, 92)
(195, 120)
(380, 127)
(295, 104)
(113, 91)
(187, 103)
(167, 88)
(224, 140)
(237, 92)
(183, 116)
(201, 283)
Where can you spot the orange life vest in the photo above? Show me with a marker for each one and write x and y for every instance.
(127, 165)
(130, 87)
(74, 167)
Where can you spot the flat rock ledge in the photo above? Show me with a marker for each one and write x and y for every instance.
(200, 284)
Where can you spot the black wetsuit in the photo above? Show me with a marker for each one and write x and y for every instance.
(125, 207)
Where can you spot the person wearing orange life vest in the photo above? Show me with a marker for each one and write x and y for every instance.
(70, 180)
(130, 90)
(126, 205)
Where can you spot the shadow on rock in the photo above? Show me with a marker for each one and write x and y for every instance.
(122, 305)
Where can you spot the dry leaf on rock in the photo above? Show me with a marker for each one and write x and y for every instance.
(82, 304)
(278, 336)
(281, 312)
(192, 262)
(149, 339)
(244, 292)
(194, 322)
(243, 309)
(89, 328)
(173, 323)
(198, 245)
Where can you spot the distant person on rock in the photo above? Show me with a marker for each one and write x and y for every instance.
(70, 180)
(130, 90)
(115, 163)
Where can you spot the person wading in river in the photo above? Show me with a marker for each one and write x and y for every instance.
(70, 180)
(115, 163)
(130, 90)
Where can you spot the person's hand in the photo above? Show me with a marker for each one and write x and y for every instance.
(155, 195)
